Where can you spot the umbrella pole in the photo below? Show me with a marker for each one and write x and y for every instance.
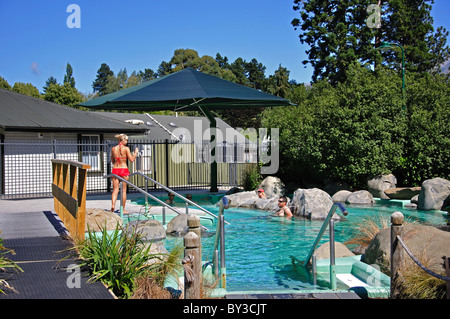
(213, 164)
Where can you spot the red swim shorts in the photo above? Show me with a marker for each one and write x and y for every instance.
(121, 171)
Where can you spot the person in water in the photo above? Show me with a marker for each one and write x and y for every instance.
(119, 156)
(261, 193)
(283, 209)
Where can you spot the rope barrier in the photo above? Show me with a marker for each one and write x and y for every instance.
(188, 264)
(420, 264)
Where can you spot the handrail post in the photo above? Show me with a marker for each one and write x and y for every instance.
(223, 269)
(121, 197)
(332, 257)
(397, 220)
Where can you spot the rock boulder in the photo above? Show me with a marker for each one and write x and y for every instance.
(419, 239)
(149, 230)
(97, 219)
(377, 185)
(362, 197)
(340, 250)
(178, 226)
(341, 196)
(312, 203)
(273, 186)
(402, 192)
(434, 192)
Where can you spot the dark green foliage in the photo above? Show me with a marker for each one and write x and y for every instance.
(357, 129)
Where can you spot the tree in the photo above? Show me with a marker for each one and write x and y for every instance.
(346, 132)
(27, 89)
(338, 35)
(64, 94)
(147, 75)
(4, 84)
(278, 84)
(51, 80)
(255, 74)
(68, 78)
(410, 24)
(99, 84)
(164, 68)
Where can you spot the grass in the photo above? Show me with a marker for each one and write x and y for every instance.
(415, 283)
(367, 229)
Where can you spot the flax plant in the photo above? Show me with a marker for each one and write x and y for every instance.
(6, 263)
(117, 259)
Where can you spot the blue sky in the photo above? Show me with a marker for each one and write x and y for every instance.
(36, 42)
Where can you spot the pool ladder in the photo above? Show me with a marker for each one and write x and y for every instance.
(327, 222)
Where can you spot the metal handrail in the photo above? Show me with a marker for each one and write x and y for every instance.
(176, 194)
(322, 230)
(141, 191)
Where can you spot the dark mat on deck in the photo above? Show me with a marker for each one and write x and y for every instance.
(46, 275)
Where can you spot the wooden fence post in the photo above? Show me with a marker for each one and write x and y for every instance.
(193, 222)
(190, 265)
(397, 219)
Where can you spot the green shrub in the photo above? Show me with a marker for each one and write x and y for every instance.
(251, 177)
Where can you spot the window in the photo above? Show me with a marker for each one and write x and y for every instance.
(90, 151)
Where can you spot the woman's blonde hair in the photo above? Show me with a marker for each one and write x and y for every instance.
(121, 137)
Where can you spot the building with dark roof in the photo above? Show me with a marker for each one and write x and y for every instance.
(34, 131)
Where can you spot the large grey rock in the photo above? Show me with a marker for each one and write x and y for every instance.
(419, 239)
(251, 200)
(377, 185)
(243, 199)
(433, 194)
(178, 226)
(312, 203)
(149, 230)
(402, 192)
(341, 196)
(97, 219)
(273, 186)
(340, 250)
(362, 197)
(270, 204)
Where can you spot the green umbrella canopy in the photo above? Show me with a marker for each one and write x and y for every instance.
(184, 90)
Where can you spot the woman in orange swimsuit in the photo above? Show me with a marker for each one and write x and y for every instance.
(119, 156)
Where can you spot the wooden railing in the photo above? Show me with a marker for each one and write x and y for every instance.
(69, 193)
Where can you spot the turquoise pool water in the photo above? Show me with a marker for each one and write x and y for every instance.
(258, 245)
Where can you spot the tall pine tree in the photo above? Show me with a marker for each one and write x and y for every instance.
(338, 34)
(99, 84)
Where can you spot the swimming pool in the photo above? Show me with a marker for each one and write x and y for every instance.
(258, 245)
